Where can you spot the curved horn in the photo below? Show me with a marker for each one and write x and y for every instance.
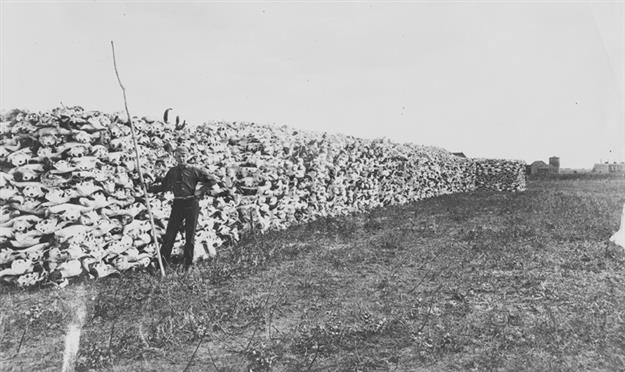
(165, 115)
(180, 126)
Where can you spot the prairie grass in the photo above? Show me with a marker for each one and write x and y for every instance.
(480, 281)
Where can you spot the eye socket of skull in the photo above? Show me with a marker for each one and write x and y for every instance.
(31, 190)
(77, 152)
(29, 176)
(86, 220)
(20, 227)
(47, 140)
(71, 216)
(44, 227)
(98, 195)
(19, 161)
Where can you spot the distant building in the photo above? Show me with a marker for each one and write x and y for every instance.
(459, 154)
(538, 167)
(554, 165)
(607, 168)
(601, 168)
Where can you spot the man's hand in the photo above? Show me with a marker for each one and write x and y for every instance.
(202, 192)
(156, 187)
(211, 190)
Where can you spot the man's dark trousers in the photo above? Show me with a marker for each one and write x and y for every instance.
(183, 210)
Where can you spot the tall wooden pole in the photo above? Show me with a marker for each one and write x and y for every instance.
(145, 190)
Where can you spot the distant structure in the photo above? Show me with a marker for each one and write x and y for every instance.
(607, 168)
(538, 167)
(459, 154)
(554, 165)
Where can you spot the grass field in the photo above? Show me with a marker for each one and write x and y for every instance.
(483, 281)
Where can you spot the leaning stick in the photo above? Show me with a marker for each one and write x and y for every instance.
(134, 141)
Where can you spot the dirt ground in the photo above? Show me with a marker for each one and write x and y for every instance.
(481, 281)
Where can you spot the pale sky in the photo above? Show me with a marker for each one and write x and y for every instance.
(492, 79)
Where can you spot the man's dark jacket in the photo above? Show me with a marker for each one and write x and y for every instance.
(182, 181)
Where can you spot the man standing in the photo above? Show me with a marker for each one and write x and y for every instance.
(182, 181)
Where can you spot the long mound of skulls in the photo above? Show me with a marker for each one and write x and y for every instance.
(499, 175)
(72, 203)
